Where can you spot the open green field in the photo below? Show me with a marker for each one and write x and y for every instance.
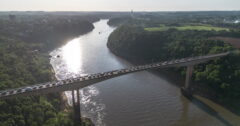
(187, 27)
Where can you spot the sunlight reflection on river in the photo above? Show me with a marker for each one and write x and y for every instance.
(68, 64)
(72, 56)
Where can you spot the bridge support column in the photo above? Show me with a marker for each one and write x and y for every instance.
(76, 108)
(186, 90)
(188, 77)
(73, 99)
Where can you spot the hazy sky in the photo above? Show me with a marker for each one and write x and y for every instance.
(118, 5)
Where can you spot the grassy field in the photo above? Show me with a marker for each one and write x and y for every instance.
(187, 27)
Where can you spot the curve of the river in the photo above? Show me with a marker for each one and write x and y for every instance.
(138, 99)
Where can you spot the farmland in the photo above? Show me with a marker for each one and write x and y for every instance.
(198, 27)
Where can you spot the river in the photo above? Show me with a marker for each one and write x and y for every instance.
(138, 99)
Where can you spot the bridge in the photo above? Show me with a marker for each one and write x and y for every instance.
(77, 83)
(83, 81)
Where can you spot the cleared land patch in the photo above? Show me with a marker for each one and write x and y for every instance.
(235, 42)
(187, 27)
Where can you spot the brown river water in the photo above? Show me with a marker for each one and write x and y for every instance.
(138, 99)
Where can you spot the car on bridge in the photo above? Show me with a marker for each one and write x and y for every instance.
(28, 89)
(11, 92)
(3, 93)
(19, 90)
(35, 87)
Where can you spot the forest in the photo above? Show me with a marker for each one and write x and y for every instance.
(21, 66)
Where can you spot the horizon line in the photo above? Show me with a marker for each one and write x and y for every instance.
(117, 11)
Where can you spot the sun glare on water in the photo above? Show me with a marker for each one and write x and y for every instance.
(72, 56)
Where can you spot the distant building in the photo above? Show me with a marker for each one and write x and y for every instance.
(237, 21)
(132, 14)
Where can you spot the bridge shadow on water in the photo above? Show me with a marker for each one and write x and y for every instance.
(177, 80)
(206, 108)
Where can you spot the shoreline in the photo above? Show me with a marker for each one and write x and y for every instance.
(200, 89)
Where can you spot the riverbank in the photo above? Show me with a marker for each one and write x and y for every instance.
(139, 46)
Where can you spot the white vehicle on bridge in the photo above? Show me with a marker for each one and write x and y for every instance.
(28, 89)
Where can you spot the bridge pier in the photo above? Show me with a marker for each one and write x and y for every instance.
(186, 90)
(76, 108)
